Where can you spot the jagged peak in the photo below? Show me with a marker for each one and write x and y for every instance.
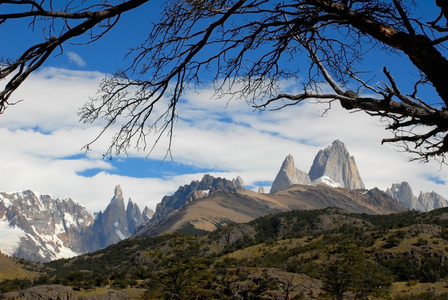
(403, 187)
(405, 184)
(239, 183)
(288, 175)
(118, 195)
(289, 160)
(338, 143)
(206, 177)
(336, 163)
(118, 192)
(288, 164)
(336, 146)
(426, 201)
(132, 207)
(148, 210)
(332, 166)
(147, 214)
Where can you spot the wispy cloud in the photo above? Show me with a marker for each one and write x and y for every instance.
(226, 138)
(76, 59)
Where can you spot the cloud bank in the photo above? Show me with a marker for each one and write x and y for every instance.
(42, 144)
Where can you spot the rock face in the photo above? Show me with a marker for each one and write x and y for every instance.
(402, 192)
(239, 183)
(39, 228)
(113, 217)
(116, 223)
(134, 216)
(147, 214)
(427, 201)
(430, 201)
(335, 163)
(223, 208)
(193, 191)
(332, 166)
(288, 176)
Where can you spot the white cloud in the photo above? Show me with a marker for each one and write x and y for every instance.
(51, 99)
(76, 59)
(253, 145)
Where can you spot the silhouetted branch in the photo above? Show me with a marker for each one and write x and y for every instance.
(246, 49)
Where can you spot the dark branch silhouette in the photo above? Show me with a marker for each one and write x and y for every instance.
(246, 49)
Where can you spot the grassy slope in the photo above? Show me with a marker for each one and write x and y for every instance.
(11, 269)
(289, 232)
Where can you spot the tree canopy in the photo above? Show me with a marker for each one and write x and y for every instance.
(246, 49)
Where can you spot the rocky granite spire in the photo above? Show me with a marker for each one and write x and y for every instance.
(116, 223)
(402, 192)
(239, 183)
(112, 227)
(134, 216)
(427, 201)
(147, 214)
(335, 164)
(430, 201)
(191, 192)
(289, 175)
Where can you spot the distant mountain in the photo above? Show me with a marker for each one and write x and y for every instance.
(193, 191)
(116, 223)
(222, 207)
(147, 214)
(39, 228)
(134, 217)
(332, 166)
(239, 183)
(425, 201)
(335, 162)
(288, 176)
(333, 181)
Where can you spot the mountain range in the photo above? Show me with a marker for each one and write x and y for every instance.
(289, 255)
(39, 228)
(425, 201)
(332, 166)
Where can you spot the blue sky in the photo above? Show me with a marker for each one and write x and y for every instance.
(43, 140)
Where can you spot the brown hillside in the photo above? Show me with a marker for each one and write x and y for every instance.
(223, 208)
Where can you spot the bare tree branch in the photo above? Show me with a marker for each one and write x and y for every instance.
(35, 56)
(246, 49)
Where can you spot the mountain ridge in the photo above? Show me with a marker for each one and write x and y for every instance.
(222, 208)
(203, 205)
(39, 228)
(332, 166)
(336, 163)
(425, 201)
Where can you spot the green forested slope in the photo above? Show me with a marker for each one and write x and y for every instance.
(301, 254)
